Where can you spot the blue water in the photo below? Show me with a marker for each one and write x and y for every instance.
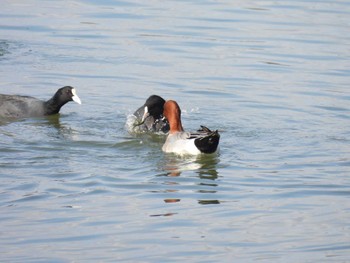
(273, 77)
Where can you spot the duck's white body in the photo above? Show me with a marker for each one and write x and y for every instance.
(181, 142)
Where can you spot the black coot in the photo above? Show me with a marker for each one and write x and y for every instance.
(16, 106)
(149, 117)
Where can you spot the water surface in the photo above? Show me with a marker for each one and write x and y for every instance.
(273, 77)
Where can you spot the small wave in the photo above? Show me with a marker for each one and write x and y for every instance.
(134, 127)
(131, 124)
(4, 48)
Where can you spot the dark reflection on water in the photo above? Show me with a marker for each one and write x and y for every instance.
(4, 48)
(208, 202)
(205, 166)
(167, 214)
(209, 164)
(63, 128)
(51, 125)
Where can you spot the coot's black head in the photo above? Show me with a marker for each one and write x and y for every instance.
(66, 94)
(154, 107)
(61, 97)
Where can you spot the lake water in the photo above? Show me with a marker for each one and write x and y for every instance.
(272, 76)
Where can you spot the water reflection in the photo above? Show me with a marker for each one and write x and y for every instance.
(4, 48)
(52, 126)
(205, 165)
(208, 165)
(204, 185)
(165, 214)
(174, 165)
(208, 202)
(54, 120)
(57, 128)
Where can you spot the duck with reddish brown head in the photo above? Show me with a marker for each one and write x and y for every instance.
(178, 141)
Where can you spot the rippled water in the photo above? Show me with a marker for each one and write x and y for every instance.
(272, 76)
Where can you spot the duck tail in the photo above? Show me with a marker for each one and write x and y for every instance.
(204, 129)
(208, 143)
